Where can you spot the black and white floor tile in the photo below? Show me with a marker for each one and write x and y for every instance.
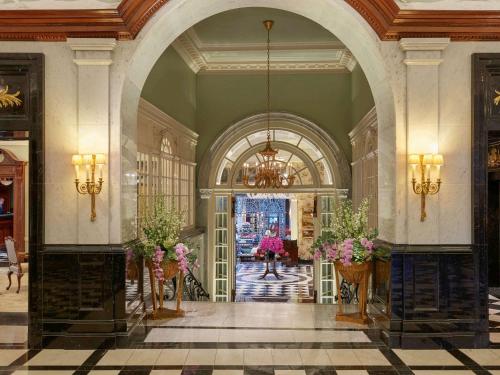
(221, 344)
(295, 283)
(255, 339)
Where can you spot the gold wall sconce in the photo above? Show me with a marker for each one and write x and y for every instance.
(426, 185)
(89, 186)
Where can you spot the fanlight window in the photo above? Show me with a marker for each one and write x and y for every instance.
(290, 161)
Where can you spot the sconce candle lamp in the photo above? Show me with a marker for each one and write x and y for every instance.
(426, 185)
(90, 186)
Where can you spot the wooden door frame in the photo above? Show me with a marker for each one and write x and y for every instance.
(14, 168)
(31, 66)
(485, 66)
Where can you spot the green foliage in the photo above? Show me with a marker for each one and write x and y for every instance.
(162, 227)
(351, 224)
(349, 233)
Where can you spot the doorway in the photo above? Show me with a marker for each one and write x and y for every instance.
(269, 277)
(493, 235)
(14, 244)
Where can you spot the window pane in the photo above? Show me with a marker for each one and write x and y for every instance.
(311, 150)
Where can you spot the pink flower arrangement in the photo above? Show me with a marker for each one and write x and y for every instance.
(183, 255)
(367, 244)
(272, 244)
(348, 251)
(157, 260)
(346, 256)
(182, 251)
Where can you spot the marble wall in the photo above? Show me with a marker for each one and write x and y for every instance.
(397, 86)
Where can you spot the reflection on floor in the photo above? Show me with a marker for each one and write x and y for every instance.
(251, 339)
(13, 311)
(295, 283)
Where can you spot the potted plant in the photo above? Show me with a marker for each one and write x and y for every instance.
(349, 245)
(164, 254)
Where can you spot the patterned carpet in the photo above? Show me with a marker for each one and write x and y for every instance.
(295, 283)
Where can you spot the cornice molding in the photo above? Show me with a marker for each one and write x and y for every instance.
(122, 23)
(151, 112)
(225, 57)
(125, 22)
(392, 23)
(368, 122)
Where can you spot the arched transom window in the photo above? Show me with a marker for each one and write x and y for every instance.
(299, 156)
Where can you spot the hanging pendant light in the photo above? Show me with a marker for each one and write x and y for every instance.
(270, 173)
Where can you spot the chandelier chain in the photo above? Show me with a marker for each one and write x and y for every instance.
(268, 84)
(270, 173)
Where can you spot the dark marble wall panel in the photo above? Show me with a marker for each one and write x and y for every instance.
(83, 296)
(434, 300)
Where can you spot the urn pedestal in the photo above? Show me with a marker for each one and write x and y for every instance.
(170, 270)
(354, 274)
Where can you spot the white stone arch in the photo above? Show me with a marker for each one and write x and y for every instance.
(279, 121)
(336, 16)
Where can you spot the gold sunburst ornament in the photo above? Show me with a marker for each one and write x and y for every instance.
(9, 100)
(497, 98)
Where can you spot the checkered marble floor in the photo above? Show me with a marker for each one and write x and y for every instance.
(213, 339)
(295, 283)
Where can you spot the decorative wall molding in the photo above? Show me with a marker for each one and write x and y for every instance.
(122, 23)
(392, 23)
(152, 112)
(364, 141)
(156, 124)
(368, 122)
(219, 57)
(385, 17)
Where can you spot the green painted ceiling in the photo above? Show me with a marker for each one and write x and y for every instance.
(245, 26)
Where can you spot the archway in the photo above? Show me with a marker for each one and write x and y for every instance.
(322, 175)
(295, 130)
(337, 17)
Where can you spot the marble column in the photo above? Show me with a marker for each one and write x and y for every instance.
(93, 58)
(422, 59)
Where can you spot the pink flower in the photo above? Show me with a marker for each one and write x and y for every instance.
(317, 255)
(367, 244)
(157, 268)
(273, 244)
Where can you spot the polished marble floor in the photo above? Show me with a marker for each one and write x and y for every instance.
(252, 339)
(13, 311)
(295, 283)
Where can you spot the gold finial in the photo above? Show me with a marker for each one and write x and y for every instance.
(268, 24)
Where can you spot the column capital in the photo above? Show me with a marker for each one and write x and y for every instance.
(424, 44)
(92, 51)
(91, 44)
(423, 51)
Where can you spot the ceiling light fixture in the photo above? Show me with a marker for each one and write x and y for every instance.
(271, 173)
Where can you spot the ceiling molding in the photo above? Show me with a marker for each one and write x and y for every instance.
(124, 23)
(225, 57)
(392, 23)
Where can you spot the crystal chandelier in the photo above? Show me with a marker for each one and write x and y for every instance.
(270, 173)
